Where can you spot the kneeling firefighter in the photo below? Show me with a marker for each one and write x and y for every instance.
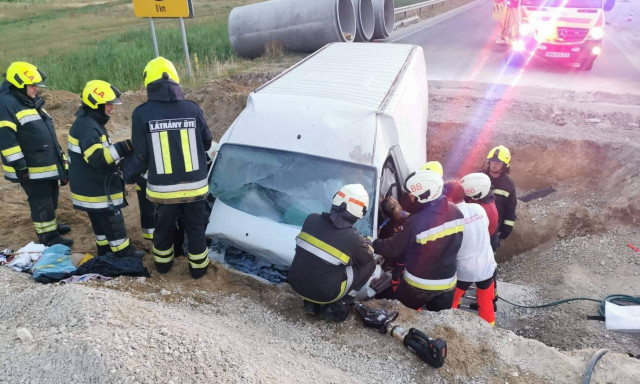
(96, 185)
(170, 136)
(333, 261)
(31, 154)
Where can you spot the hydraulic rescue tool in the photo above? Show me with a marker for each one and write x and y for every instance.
(431, 351)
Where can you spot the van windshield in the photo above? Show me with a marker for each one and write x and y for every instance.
(284, 186)
(564, 3)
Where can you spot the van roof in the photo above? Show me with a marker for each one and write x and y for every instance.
(363, 73)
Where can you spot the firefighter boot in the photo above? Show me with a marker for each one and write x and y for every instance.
(131, 252)
(53, 238)
(63, 229)
(312, 308)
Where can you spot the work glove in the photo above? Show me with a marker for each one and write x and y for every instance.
(211, 152)
(381, 283)
(505, 231)
(64, 182)
(124, 148)
(23, 174)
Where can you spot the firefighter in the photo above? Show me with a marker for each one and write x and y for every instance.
(476, 263)
(497, 168)
(433, 166)
(96, 185)
(332, 260)
(477, 187)
(170, 137)
(30, 152)
(430, 240)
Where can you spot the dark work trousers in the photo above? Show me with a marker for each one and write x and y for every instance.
(195, 218)
(111, 233)
(147, 211)
(42, 196)
(430, 300)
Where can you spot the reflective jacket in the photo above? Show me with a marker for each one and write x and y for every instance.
(431, 238)
(170, 136)
(326, 260)
(93, 175)
(28, 138)
(506, 200)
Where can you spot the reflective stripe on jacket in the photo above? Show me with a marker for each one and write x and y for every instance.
(93, 174)
(27, 138)
(327, 259)
(170, 136)
(506, 200)
(430, 238)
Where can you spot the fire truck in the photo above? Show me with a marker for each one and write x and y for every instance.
(567, 32)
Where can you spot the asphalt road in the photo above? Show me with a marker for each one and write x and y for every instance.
(460, 46)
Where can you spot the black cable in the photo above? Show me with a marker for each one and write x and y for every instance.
(594, 360)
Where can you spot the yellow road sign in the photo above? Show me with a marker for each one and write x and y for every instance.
(163, 8)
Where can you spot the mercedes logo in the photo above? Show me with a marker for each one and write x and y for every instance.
(562, 34)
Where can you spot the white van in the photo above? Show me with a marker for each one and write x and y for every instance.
(349, 113)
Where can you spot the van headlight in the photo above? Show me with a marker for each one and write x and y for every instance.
(597, 33)
(525, 29)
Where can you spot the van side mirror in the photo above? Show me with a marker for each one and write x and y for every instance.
(608, 5)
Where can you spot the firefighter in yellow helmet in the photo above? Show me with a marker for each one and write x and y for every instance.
(30, 152)
(433, 166)
(497, 168)
(96, 185)
(170, 136)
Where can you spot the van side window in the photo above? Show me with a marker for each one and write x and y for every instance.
(389, 184)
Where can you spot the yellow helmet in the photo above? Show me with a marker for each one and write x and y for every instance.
(160, 68)
(21, 73)
(434, 166)
(98, 92)
(500, 153)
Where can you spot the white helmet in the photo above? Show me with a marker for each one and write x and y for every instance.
(425, 185)
(476, 185)
(355, 197)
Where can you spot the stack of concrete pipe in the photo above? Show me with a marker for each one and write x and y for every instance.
(307, 25)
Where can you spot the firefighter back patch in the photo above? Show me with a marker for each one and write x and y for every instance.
(171, 124)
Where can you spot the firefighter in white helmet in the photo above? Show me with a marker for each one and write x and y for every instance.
(333, 261)
(430, 238)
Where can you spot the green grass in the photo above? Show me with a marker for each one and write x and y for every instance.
(120, 59)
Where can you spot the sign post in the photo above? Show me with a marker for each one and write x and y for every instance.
(166, 9)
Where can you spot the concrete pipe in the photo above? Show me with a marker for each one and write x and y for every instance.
(366, 19)
(385, 18)
(295, 25)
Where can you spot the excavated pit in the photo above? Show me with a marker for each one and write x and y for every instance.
(591, 184)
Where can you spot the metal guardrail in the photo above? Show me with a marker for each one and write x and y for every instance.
(413, 7)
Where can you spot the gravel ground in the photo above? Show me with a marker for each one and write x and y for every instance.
(86, 333)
